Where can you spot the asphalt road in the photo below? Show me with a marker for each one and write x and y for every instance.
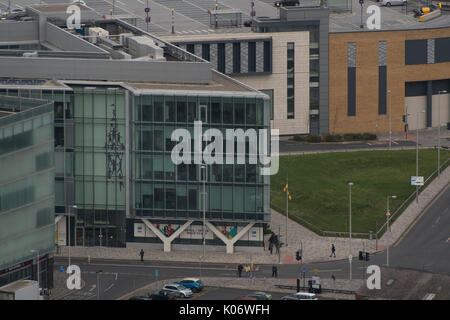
(425, 247)
(287, 146)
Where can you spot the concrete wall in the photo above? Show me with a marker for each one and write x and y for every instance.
(67, 41)
(19, 31)
(277, 81)
(414, 104)
(113, 70)
(367, 118)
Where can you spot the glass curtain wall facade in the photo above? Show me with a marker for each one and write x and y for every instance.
(99, 166)
(162, 190)
(26, 185)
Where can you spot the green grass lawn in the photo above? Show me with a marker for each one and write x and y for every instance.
(318, 183)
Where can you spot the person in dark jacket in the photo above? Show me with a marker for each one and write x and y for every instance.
(240, 267)
(274, 271)
(142, 255)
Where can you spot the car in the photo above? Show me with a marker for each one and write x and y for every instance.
(164, 295)
(78, 2)
(196, 285)
(177, 288)
(389, 3)
(140, 298)
(291, 297)
(306, 296)
(16, 13)
(287, 3)
(259, 295)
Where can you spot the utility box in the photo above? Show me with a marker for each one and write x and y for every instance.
(96, 32)
(20, 290)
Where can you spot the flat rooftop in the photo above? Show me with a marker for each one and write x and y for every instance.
(392, 18)
(219, 82)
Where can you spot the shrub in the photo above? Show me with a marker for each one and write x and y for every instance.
(353, 136)
(299, 138)
(314, 138)
(333, 137)
(369, 136)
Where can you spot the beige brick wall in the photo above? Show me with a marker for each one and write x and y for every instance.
(277, 80)
(367, 118)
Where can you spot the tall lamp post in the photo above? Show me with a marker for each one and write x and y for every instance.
(417, 153)
(350, 227)
(390, 130)
(439, 133)
(204, 209)
(70, 231)
(388, 229)
(38, 268)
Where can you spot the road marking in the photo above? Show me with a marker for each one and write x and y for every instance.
(112, 285)
(152, 266)
(92, 288)
(117, 274)
(140, 1)
(121, 3)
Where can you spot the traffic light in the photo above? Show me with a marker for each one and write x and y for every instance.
(367, 256)
(361, 255)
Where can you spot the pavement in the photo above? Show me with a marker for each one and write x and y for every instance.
(428, 138)
(315, 248)
(257, 284)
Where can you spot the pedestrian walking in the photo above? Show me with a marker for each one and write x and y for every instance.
(240, 267)
(333, 251)
(274, 271)
(142, 255)
(270, 247)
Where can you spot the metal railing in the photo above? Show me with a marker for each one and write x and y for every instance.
(368, 235)
(411, 198)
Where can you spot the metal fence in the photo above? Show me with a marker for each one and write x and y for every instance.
(378, 233)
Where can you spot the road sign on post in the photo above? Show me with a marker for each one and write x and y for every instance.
(417, 180)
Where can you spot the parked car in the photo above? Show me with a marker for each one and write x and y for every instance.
(389, 3)
(287, 3)
(194, 284)
(16, 13)
(79, 2)
(140, 298)
(164, 295)
(186, 293)
(306, 296)
(259, 295)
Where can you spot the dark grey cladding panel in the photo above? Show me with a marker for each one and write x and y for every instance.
(442, 50)
(351, 91)
(382, 89)
(12, 31)
(113, 70)
(416, 51)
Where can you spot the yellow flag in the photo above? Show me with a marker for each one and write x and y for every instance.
(290, 198)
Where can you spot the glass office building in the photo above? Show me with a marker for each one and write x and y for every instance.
(26, 189)
(237, 192)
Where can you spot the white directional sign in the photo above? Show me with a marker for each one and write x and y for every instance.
(417, 180)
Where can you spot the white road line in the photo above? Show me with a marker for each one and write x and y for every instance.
(112, 285)
(121, 3)
(141, 2)
(93, 287)
(117, 275)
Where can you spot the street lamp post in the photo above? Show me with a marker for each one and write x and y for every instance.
(417, 153)
(439, 132)
(388, 229)
(70, 238)
(38, 268)
(98, 284)
(350, 227)
(390, 130)
(204, 209)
